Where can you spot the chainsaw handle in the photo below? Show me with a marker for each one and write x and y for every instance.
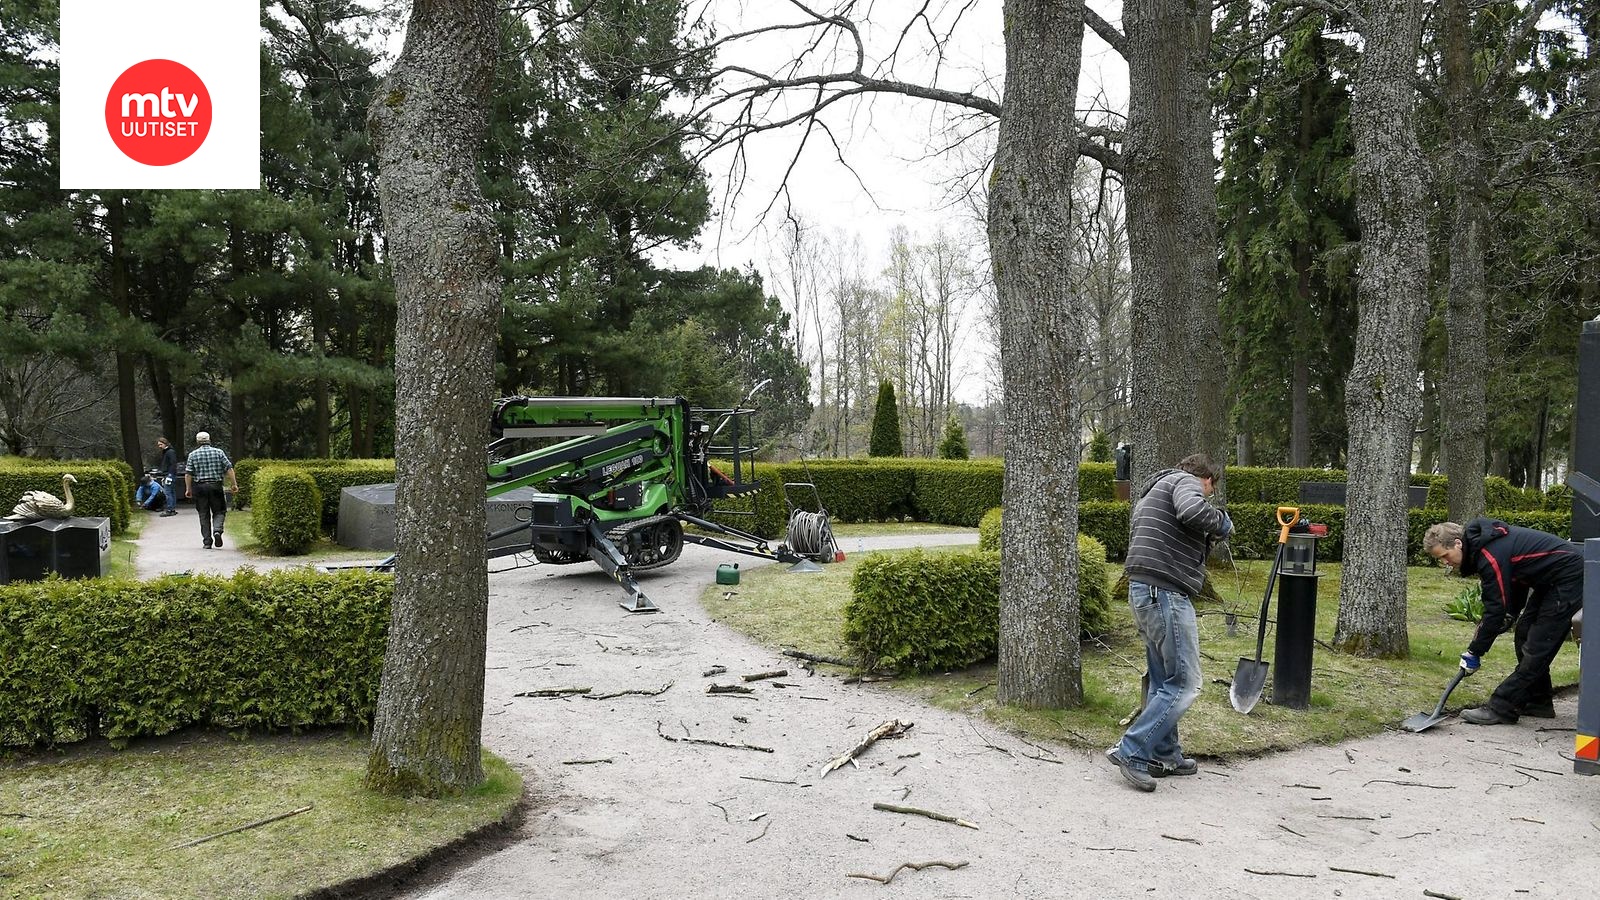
(1287, 515)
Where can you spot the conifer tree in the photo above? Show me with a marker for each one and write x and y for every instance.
(886, 425)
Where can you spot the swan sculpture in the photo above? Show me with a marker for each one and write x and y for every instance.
(45, 505)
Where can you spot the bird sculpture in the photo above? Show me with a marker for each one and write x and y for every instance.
(45, 505)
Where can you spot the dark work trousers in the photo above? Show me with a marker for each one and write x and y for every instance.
(1541, 630)
(212, 505)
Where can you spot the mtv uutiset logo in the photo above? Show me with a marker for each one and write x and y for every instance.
(160, 94)
(158, 112)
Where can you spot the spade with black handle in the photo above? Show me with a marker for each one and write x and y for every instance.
(1251, 675)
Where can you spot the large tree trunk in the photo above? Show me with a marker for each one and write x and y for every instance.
(428, 122)
(1179, 374)
(1381, 397)
(127, 395)
(1462, 389)
(1041, 349)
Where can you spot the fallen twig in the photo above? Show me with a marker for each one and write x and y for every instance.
(757, 676)
(1284, 874)
(914, 811)
(1440, 896)
(1290, 830)
(708, 742)
(854, 838)
(527, 626)
(729, 689)
(890, 729)
(818, 657)
(714, 670)
(917, 867)
(763, 833)
(586, 762)
(767, 780)
(1113, 849)
(639, 691)
(256, 824)
(1526, 819)
(1186, 840)
(981, 687)
(1350, 818)
(1519, 767)
(1413, 834)
(867, 679)
(554, 692)
(1360, 872)
(718, 805)
(1309, 787)
(1437, 787)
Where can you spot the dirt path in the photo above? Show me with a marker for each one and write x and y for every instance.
(1448, 810)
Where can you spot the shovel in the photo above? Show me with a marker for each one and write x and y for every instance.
(1251, 675)
(1422, 721)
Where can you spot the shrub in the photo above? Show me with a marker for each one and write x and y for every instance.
(956, 492)
(332, 477)
(885, 440)
(933, 612)
(954, 443)
(1094, 481)
(1100, 447)
(127, 658)
(288, 514)
(1094, 578)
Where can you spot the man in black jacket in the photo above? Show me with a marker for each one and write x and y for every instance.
(1536, 577)
(1172, 531)
(167, 471)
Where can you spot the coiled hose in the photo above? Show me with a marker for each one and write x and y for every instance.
(810, 534)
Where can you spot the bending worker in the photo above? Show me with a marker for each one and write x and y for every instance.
(1532, 576)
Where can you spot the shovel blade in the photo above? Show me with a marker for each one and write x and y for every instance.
(1422, 721)
(1248, 682)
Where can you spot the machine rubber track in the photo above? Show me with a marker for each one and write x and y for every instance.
(649, 543)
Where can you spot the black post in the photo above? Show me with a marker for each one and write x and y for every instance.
(1586, 751)
(1297, 632)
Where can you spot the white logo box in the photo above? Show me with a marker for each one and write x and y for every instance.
(220, 40)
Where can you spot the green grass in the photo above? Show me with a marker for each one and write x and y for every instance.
(103, 823)
(242, 523)
(1351, 696)
(119, 559)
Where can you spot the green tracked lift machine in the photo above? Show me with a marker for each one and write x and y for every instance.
(622, 478)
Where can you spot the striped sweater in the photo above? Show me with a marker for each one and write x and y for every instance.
(1172, 527)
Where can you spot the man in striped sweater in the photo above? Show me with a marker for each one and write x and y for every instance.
(1173, 530)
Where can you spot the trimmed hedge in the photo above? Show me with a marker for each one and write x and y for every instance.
(1094, 578)
(104, 488)
(122, 659)
(331, 475)
(924, 612)
(288, 509)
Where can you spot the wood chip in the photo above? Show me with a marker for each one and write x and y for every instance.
(916, 867)
(554, 692)
(890, 729)
(928, 813)
(1360, 872)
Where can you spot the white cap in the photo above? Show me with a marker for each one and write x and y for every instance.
(202, 437)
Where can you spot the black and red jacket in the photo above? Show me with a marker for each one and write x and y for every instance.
(1510, 561)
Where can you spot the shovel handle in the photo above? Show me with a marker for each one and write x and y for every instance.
(1460, 674)
(1287, 515)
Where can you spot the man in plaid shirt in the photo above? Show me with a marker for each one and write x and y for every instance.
(208, 469)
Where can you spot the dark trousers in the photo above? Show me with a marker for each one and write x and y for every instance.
(1541, 630)
(212, 505)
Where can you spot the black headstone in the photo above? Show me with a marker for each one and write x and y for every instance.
(72, 548)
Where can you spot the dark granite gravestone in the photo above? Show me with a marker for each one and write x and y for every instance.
(366, 516)
(73, 548)
(1333, 493)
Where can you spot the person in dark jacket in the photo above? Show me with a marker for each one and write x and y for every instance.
(1172, 532)
(167, 471)
(1533, 577)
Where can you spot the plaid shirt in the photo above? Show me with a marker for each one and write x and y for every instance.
(207, 463)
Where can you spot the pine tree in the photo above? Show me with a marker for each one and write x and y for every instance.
(954, 443)
(886, 424)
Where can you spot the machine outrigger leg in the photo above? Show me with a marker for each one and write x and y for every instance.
(609, 558)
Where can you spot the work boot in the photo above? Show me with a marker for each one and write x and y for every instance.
(1137, 777)
(1485, 715)
(1540, 710)
(218, 538)
(1163, 768)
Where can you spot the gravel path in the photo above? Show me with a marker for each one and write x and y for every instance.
(619, 811)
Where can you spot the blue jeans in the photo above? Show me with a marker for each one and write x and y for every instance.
(172, 496)
(1172, 652)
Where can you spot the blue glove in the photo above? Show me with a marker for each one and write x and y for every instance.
(1469, 663)
(1227, 524)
